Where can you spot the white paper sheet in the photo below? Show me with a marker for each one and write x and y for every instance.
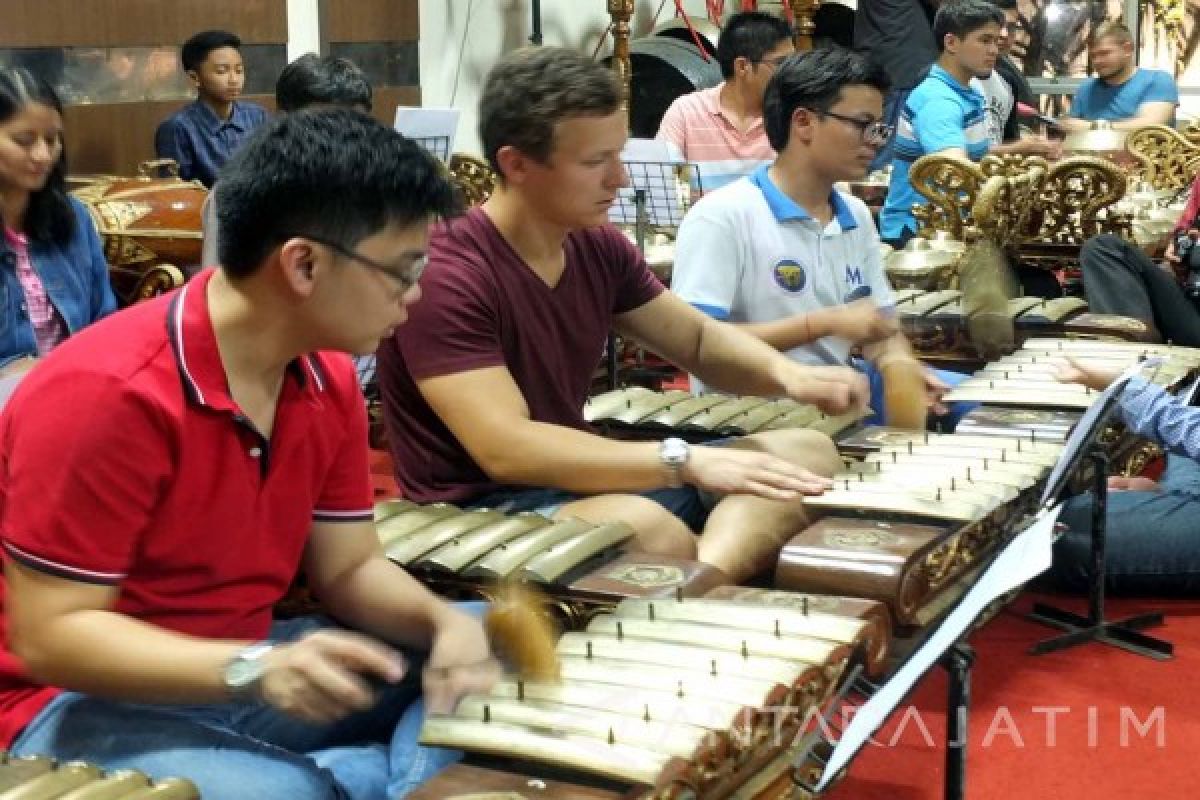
(433, 128)
(1028, 555)
(1083, 431)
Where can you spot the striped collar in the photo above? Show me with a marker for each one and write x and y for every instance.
(194, 343)
(785, 208)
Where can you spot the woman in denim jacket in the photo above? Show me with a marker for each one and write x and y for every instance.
(53, 277)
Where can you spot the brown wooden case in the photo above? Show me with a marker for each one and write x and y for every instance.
(902, 565)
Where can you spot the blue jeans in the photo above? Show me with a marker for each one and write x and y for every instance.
(1153, 538)
(956, 410)
(232, 752)
(687, 503)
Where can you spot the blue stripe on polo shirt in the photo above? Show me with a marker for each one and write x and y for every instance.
(785, 208)
(716, 312)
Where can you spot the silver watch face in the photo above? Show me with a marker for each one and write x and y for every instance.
(246, 668)
(242, 672)
(674, 452)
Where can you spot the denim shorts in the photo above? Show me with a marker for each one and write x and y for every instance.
(687, 503)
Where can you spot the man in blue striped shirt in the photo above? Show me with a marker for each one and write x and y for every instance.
(1153, 530)
(943, 114)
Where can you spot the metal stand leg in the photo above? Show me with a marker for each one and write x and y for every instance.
(641, 231)
(957, 662)
(612, 362)
(1120, 633)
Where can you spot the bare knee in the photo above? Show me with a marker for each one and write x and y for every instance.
(657, 530)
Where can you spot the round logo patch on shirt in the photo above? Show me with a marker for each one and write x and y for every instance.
(789, 275)
(858, 294)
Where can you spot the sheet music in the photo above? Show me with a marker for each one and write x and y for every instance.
(1088, 428)
(432, 128)
(1189, 394)
(652, 167)
(1028, 555)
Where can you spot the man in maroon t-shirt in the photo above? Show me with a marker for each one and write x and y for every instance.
(166, 473)
(484, 391)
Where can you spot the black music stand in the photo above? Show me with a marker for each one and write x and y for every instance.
(653, 198)
(1083, 445)
(437, 145)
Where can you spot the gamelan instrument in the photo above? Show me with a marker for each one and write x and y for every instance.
(1101, 140)
(658, 250)
(582, 566)
(1026, 378)
(935, 324)
(152, 229)
(42, 778)
(924, 263)
(662, 698)
(914, 514)
(636, 412)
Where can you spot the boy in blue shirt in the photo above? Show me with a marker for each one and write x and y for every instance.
(943, 114)
(1121, 93)
(202, 136)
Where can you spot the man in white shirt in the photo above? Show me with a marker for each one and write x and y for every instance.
(783, 254)
(1002, 131)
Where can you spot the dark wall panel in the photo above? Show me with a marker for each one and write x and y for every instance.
(113, 138)
(114, 23)
(370, 20)
(389, 97)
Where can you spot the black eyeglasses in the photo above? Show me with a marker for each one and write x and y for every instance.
(874, 132)
(402, 281)
(776, 62)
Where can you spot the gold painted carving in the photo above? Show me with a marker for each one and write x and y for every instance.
(950, 185)
(648, 575)
(1169, 159)
(474, 178)
(1020, 202)
(159, 279)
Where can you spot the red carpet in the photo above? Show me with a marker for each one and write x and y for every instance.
(1062, 726)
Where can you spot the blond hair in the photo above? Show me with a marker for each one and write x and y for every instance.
(1110, 29)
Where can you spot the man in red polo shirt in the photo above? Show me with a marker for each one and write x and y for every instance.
(164, 475)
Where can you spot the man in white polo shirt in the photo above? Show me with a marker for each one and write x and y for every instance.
(782, 253)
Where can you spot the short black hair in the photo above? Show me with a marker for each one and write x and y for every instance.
(750, 35)
(1004, 5)
(49, 217)
(196, 49)
(316, 80)
(962, 17)
(531, 90)
(331, 173)
(814, 80)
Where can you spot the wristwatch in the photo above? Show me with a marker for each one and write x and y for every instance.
(244, 673)
(674, 454)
